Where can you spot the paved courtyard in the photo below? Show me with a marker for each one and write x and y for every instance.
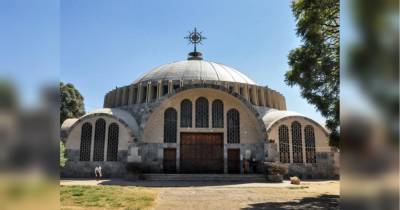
(217, 195)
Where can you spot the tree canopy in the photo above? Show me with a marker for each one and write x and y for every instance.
(72, 105)
(314, 66)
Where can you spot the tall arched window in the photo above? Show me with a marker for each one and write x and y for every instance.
(309, 139)
(170, 125)
(284, 152)
(112, 147)
(99, 138)
(186, 113)
(201, 113)
(233, 121)
(297, 145)
(86, 142)
(217, 114)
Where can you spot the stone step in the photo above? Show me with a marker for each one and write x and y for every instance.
(206, 177)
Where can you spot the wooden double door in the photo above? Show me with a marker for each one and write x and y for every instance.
(202, 153)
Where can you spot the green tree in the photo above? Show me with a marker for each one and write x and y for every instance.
(314, 66)
(71, 102)
(63, 160)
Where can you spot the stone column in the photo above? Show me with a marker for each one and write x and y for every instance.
(105, 103)
(118, 97)
(246, 92)
(159, 89)
(236, 88)
(290, 144)
(255, 93)
(262, 97)
(303, 144)
(139, 94)
(284, 103)
(130, 95)
(149, 91)
(124, 96)
(170, 86)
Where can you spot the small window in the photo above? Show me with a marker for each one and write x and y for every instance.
(112, 147)
(99, 139)
(170, 125)
(284, 152)
(201, 113)
(186, 113)
(217, 114)
(297, 145)
(309, 139)
(86, 142)
(233, 123)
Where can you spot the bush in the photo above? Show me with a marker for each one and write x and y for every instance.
(274, 171)
(273, 168)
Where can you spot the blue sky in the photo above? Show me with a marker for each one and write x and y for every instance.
(100, 44)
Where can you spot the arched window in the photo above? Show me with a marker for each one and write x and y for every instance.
(186, 113)
(233, 126)
(86, 142)
(99, 138)
(170, 127)
(284, 152)
(309, 139)
(112, 147)
(217, 114)
(201, 113)
(297, 146)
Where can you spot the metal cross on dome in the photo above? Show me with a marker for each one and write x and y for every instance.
(195, 38)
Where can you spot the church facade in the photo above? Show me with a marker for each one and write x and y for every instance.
(195, 116)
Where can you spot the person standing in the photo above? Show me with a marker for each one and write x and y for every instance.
(97, 172)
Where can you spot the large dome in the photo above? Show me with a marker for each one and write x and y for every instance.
(195, 70)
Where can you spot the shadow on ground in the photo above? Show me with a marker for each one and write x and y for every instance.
(172, 183)
(320, 202)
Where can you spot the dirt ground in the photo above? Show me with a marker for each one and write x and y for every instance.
(197, 195)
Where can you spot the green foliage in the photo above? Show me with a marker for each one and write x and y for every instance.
(315, 64)
(63, 160)
(71, 102)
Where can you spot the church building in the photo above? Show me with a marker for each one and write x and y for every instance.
(195, 116)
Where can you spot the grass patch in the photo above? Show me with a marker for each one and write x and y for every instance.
(106, 197)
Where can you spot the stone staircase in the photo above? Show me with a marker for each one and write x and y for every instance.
(206, 177)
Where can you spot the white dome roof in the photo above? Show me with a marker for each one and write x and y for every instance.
(195, 70)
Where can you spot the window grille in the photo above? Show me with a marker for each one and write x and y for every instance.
(217, 114)
(186, 113)
(233, 126)
(297, 145)
(86, 142)
(170, 125)
(284, 152)
(309, 139)
(201, 113)
(112, 149)
(99, 138)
